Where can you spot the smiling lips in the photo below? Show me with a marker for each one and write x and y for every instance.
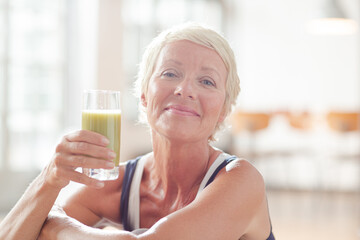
(182, 110)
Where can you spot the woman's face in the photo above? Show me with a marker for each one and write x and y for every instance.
(186, 92)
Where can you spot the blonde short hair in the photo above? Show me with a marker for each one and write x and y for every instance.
(199, 35)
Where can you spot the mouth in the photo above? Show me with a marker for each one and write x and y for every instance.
(182, 110)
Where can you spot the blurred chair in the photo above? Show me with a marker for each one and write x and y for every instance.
(302, 152)
(300, 121)
(251, 122)
(303, 123)
(343, 121)
(347, 126)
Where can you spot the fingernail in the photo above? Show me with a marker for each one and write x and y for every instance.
(110, 164)
(105, 141)
(112, 155)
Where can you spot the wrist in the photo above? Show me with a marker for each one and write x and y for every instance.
(46, 182)
(51, 180)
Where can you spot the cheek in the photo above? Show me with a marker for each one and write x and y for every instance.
(155, 98)
(214, 105)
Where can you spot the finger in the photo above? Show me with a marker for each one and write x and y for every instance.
(88, 149)
(82, 178)
(75, 161)
(87, 136)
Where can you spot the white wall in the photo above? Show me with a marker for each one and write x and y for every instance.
(283, 67)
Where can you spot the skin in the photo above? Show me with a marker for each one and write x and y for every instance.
(184, 103)
(26, 218)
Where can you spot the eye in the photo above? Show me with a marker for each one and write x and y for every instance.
(208, 82)
(169, 74)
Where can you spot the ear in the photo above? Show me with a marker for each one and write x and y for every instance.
(143, 100)
(222, 116)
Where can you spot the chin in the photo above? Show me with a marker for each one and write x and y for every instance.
(180, 130)
(184, 135)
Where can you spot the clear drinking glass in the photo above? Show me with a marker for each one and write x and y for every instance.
(101, 113)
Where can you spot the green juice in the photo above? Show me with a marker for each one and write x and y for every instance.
(108, 124)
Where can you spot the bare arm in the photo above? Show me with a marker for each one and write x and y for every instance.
(226, 209)
(25, 220)
(28, 215)
(60, 226)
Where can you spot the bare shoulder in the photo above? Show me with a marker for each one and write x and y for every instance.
(239, 181)
(239, 191)
(244, 176)
(250, 194)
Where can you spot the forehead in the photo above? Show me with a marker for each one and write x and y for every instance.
(185, 51)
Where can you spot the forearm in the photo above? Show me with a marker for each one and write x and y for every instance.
(59, 226)
(26, 218)
(89, 233)
(79, 149)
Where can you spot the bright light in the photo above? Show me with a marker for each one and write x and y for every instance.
(332, 26)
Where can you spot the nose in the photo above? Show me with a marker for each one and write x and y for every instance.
(185, 89)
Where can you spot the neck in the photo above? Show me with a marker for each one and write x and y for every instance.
(178, 167)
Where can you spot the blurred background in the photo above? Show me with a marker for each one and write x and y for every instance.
(297, 117)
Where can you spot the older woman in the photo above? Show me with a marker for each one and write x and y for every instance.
(184, 188)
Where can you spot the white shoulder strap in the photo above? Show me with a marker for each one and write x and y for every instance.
(134, 198)
(211, 170)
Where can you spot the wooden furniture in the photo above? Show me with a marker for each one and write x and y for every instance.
(301, 121)
(250, 122)
(346, 125)
(343, 121)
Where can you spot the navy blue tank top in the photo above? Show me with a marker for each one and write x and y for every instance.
(128, 176)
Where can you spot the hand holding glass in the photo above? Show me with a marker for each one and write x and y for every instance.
(102, 114)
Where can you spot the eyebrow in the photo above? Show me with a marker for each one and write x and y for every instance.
(202, 68)
(212, 70)
(172, 61)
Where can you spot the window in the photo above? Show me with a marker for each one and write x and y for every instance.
(32, 50)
